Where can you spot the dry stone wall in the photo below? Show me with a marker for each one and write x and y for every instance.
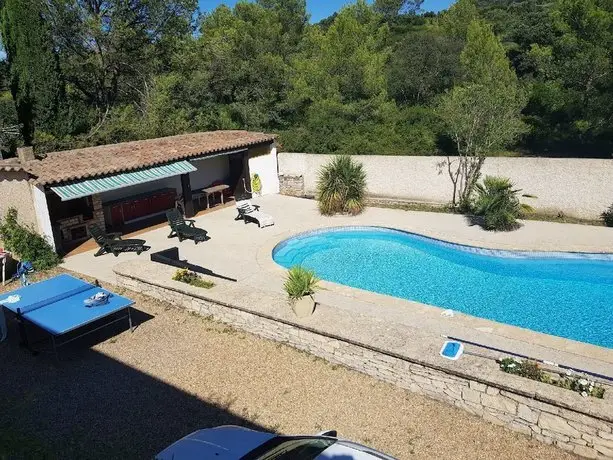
(583, 434)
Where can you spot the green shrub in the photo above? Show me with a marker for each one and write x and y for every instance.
(497, 203)
(607, 216)
(569, 381)
(341, 187)
(26, 243)
(300, 282)
(185, 276)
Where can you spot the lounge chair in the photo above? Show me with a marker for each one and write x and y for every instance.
(113, 244)
(183, 228)
(251, 213)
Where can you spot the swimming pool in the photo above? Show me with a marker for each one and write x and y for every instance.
(565, 294)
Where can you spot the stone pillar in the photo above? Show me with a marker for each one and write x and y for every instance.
(291, 185)
(98, 211)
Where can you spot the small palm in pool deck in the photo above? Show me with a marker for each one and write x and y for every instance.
(300, 282)
(341, 187)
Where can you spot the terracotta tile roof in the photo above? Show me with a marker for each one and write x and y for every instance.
(10, 164)
(113, 158)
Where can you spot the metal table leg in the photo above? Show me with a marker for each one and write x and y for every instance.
(130, 319)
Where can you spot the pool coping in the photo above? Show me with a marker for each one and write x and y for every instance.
(485, 251)
(545, 346)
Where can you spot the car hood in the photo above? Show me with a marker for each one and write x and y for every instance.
(347, 450)
(222, 443)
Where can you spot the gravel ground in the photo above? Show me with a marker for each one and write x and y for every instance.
(130, 395)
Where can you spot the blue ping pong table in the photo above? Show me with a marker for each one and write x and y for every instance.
(57, 306)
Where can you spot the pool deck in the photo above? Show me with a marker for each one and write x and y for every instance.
(244, 252)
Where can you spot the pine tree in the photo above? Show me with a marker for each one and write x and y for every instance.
(35, 80)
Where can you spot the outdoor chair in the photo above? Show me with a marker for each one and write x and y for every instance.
(112, 242)
(248, 212)
(183, 228)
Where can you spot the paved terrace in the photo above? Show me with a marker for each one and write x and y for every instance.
(243, 252)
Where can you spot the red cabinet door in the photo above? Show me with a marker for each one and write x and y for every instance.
(128, 210)
(116, 214)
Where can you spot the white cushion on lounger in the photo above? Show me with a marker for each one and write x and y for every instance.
(263, 219)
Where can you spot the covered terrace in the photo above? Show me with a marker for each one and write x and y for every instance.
(129, 186)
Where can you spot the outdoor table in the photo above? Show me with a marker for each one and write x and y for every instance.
(212, 190)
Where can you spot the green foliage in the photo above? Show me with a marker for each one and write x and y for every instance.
(26, 243)
(424, 64)
(455, 21)
(607, 216)
(189, 277)
(570, 106)
(300, 282)
(369, 79)
(569, 381)
(341, 187)
(483, 114)
(34, 77)
(391, 9)
(498, 204)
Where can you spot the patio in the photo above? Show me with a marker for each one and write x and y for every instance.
(243, 252)
(404, 337)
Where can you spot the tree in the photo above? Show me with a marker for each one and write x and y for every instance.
(484, 113)
(455, 21)
(35, 83)
(391, 9)
(110, 49)
(571, 103)
(339, 87)
(293, 17)
(424, 64)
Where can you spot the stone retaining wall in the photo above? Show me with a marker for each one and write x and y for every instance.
(546, 421)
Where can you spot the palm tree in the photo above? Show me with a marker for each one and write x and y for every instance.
(341, 187)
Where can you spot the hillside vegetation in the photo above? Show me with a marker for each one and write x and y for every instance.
(381, 79)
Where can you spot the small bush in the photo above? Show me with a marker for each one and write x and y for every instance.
(188, 277)
(607, 216)
(569, 381)
(26, 243)
(341, 187)
(300, 282)
(498, 204)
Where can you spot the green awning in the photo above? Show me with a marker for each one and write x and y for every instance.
(87, 187)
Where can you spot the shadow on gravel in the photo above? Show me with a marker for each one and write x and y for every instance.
(93, 406)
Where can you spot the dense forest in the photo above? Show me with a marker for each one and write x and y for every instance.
(371, 79)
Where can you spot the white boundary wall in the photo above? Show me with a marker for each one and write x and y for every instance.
(576, 187)
(264, 163)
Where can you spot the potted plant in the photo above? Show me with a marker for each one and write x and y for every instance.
(300, 286)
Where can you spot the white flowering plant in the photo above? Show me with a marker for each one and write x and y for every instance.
(570, 380)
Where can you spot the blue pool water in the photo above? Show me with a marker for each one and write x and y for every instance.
(564, 294)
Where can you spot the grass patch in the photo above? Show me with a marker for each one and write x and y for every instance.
(191, 278)
(569, 381)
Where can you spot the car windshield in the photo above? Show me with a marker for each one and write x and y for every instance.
(281, 448)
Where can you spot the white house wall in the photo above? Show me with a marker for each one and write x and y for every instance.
(263, 161)
(41, 208)
(209, 170)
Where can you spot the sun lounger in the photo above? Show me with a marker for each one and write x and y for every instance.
(183, 228)
(113, 244)
(251, 213)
